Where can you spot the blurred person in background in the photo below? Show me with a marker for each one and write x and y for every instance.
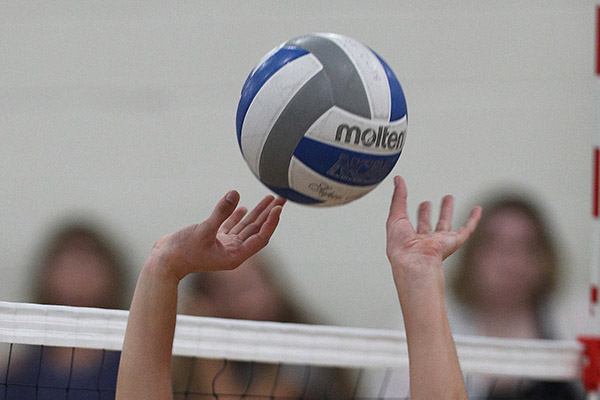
(505, 278)
(250, 292)
(79, 266)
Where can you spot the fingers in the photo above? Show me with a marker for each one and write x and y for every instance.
(254, 225)
(257, 241)
(252, 215)
(221, 212)
(424, 217)
(262, 217)
(465, 231)
(445, 222)
(398, 206)
(233, 219)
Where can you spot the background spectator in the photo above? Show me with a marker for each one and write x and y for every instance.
(251, 292)
(79, 266)
(506, 275)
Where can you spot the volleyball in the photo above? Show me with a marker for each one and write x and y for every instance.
(321, 119)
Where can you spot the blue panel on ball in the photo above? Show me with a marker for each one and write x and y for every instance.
(259, 76)
(345, 166)
(293, 195)
(398, 110)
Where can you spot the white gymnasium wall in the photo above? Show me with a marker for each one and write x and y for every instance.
(125, 111)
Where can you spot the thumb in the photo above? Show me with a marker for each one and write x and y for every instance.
(221, 212)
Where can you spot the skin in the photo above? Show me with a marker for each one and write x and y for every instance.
(508, 269)
(68, 278)
(416, 258)
(229, 237)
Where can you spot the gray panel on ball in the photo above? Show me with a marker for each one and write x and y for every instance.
(338, 83)
(347, 86)
(307, 105)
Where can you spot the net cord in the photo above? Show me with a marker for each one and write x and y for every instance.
(272, 342)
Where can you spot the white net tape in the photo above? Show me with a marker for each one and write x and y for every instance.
(285, 343)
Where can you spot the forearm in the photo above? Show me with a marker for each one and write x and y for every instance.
(416, 257)
(434, 369)
(145, 368)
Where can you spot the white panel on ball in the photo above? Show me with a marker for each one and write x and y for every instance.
(342, 129)
(261, 115)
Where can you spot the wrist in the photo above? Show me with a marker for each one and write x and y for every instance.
(415, 277)
(420, 290)
(420, 267)
(163, 261)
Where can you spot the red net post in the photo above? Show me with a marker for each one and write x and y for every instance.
(590, 373)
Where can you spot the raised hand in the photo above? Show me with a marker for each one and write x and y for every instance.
(416, 257)
(407, 247)
(226, 239)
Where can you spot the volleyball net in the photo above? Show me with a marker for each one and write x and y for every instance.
(223, 359)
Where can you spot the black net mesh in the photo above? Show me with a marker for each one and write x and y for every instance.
(39, 372)
(195, 379)
(51, 373)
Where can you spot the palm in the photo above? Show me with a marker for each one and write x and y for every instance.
(407, 245)
(227, 238)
